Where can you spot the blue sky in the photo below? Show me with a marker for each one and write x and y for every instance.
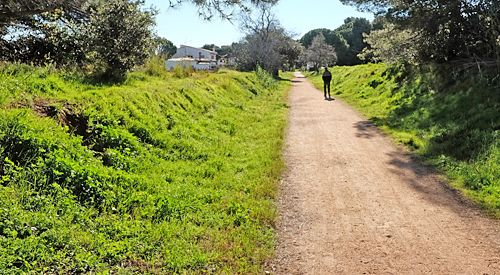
(183, 26)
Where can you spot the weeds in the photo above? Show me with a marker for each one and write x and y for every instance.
(265, 78)
(162, 175)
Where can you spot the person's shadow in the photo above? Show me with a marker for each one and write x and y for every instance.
(329, 98)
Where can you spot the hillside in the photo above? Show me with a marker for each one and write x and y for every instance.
(164, 174)
(449, 116)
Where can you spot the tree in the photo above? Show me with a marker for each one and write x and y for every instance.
(445, 29)
(210, 47)
(112, 38)
(346, 39)
(290, 51)
(320, 53)
(28, 16)
(117, 36)
(224, 51)
(390, 45)
(26, 24)
(266, 43)
(12, 10)
(208, 9)
(352, 31)
(307, 38)
(164, 47)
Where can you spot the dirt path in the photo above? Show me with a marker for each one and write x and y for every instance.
(353, 203)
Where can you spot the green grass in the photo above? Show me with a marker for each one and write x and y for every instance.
(444, 114)
(166, 173)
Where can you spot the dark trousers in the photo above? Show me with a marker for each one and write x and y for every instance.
(327, 84)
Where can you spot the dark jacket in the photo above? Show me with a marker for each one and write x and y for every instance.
(327, 76)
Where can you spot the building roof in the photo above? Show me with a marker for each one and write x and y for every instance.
(197, 48)
(191, 59)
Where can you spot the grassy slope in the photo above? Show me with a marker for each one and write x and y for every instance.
(449, 118)
(170, 174)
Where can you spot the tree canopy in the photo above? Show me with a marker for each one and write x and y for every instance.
(12, 10)
(104, 37)
(444, 30)
(320, 53)
(165, 47)
(227, 9)
(101, 35)
(346, 39)
(266, 43)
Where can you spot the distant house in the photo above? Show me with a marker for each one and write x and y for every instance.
(226, 60)
(197, 58)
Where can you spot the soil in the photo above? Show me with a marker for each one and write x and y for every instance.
(353, 203)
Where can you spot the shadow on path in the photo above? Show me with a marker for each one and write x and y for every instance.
(431, 187)
(366, 129)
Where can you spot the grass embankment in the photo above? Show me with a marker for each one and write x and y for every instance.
(441, 113)
(159, 175)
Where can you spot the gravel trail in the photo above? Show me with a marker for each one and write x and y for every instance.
(353, 203)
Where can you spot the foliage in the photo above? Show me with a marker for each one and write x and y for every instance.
(444, 113)
(444, 30)
(225, 51)
(320, 53)
(14, 11)
(157, 175)
(42, 37)
(117, 36)
(155, 66)
(207, 9)
(331, 38)
(266, 43)
(290, 51)
(211, 47)
(265, 78)
(110, 38)
(164, 47)
(352, 31)
(391, 45)
(346, 39)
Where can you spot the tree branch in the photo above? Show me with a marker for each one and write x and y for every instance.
(17, 14)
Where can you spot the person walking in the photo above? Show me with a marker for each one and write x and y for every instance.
(327, 78)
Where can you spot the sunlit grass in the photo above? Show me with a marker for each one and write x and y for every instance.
(164, 173)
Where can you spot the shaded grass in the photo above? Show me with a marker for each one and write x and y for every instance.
(444, 114)
(173, 173)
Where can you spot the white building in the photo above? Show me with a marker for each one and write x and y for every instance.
(197, 58)
(226, 60)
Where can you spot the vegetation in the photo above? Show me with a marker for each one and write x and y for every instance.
(439, 30)
(320, 53)
(164, 47)
(107, 40)
(117, 36)
(207, 9)
(346, 39)
(225, 51)
(443, 103)
(225, 9)
(13, 10)
(266, 43)
(452, 121)
(166, 173)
